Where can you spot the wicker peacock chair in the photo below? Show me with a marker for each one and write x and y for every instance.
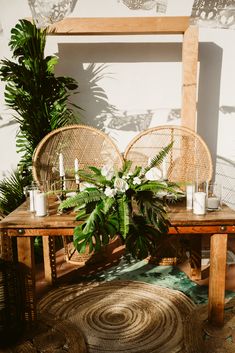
(89, 145)
(188, 161)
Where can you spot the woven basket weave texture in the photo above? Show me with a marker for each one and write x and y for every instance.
(89, 145)
(189, 160)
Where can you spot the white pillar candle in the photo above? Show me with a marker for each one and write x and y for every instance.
(76, 168)
(41, 204)
(199, 203)
(189, 196)
(61, 165)
(32, 194)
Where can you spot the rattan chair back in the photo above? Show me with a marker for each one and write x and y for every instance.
(91, 146)
(188, 161)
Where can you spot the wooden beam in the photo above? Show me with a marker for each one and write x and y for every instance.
(120, 25)
(189, 84)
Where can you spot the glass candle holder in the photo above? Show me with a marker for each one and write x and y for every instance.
(214, 196)
(30, 192)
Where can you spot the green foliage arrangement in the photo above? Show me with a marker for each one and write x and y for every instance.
(39, 98)
(129, 204)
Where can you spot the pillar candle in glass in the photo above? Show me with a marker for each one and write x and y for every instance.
(214, 196)
(199, 203)
(41, 204)
(190, 189)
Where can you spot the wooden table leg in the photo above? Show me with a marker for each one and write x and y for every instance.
(195, 257)
(25, 250)
(218, 253)
(49, 259)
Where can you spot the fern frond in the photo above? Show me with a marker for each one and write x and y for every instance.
(126, 167)
(137, 171)
(158, 159)
(108, 204)
(96, 179)
(83, 198)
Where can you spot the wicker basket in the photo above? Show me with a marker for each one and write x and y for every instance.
(170, 252)
(73, 256)
(11, 308)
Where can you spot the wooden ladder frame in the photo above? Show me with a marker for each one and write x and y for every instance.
(147, 26)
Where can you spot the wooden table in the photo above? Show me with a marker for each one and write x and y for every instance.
(23, 226)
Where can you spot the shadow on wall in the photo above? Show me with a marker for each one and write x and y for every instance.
(129, 121)
(227, 109)
(225, 175)
(85, 62)
(9, 123)
(210, 57)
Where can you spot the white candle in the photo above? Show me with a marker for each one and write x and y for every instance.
(61, 165)
(213, 203)
(199, 203)
(76, 167)
(164, 169)
(189, 196)
(41, 204)
(32, 200)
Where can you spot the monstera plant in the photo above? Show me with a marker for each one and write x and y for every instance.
(132, 204)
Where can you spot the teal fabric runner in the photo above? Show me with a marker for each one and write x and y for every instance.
(165, 276)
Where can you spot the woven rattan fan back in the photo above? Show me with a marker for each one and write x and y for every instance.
(91, 146)
(188, 161)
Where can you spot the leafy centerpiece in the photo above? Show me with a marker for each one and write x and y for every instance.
(132, 205)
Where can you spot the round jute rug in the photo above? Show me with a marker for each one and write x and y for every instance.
(125, 316)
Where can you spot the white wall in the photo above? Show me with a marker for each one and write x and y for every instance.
(140, 83)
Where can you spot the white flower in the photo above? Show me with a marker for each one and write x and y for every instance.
(120, 185)
(109, 192)
(127, 176)
(136, 181)
(107, 171)
(154, 174)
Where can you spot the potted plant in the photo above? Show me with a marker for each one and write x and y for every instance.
(131, 204)
(39, 100)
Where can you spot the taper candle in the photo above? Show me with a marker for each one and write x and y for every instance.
(76, 168)
(61, 165)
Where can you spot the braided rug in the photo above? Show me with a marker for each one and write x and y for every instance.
(125, 316)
